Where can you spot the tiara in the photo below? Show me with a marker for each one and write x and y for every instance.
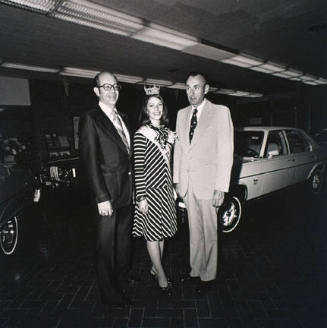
(151, 89)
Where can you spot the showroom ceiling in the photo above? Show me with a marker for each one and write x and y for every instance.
(289, 33)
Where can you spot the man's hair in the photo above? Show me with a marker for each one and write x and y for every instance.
(193, 74)
(97, 78)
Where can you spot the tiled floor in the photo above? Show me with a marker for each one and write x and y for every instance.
(273, 272)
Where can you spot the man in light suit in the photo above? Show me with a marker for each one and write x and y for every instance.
(106, 156)
(203, 160)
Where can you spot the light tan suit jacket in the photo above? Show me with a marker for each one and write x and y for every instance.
(208, 160)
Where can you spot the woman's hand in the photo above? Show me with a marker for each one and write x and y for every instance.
(171, 137)
(143, 206)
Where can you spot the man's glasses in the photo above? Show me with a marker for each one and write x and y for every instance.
(110, 87)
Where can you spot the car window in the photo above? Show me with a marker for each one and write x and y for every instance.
(297, 142)
(248, 143)
(275, 145)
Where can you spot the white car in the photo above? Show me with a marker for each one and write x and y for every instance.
(267, 159)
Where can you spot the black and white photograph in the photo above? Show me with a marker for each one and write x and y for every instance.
(163, 163)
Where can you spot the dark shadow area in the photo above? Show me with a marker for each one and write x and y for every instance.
(272, 270)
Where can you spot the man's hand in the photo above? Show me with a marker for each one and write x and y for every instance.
(143, 206)
(105, 208)
(218, 198)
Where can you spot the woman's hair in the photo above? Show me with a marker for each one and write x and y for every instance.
(144, 118)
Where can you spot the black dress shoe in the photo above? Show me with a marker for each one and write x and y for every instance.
(203, 287)
(185, 277)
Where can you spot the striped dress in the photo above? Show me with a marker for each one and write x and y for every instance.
(153, 181)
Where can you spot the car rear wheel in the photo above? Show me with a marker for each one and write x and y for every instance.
(230, 213)
(9, 236)
(316, 182)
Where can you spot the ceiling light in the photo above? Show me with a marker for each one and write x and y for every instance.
(307, 77)
(128, 78)
(203, 50)
(260, 69)
(268, 68)
(43, 6)
(178, 85)
(238, 93)
(98, 17)
(321, 81)
(79, 72)
(225, 91)
(162, 83)
(254, 95)
(29, 67)
(296, 78)
(165, 37)
(288, 73)
(243, 61)
(310, 82)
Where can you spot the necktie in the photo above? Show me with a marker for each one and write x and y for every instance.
(120, 130)
(194, 122)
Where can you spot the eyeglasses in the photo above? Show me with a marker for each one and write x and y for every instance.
(195, 88)
(110, 87)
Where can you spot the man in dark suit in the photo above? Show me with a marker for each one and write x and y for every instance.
(106, 156)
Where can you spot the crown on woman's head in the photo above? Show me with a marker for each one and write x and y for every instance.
(151, 89)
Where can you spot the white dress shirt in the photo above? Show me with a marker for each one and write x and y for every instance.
(110, 114)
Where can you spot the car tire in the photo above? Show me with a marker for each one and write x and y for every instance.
(230, 213)
(316, 182)
(9, 236)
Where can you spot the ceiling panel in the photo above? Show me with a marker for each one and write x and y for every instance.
(284, 31)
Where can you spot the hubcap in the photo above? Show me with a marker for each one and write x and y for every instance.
(229, 215)
(8, 236)
(316, 182)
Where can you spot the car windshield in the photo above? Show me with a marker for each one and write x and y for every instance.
(248, 143)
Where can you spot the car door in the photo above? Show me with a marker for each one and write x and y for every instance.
(277, 163)
(302, 154)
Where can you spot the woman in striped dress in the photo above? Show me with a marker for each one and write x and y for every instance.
(155, 214)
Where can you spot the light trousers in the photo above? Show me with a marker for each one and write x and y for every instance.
(202, 219)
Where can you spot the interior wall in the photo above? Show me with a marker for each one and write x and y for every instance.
(54, 103)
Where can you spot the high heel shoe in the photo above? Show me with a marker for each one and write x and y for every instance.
(167, 291)
(154, 276)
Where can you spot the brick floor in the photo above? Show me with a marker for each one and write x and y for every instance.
(272, 273)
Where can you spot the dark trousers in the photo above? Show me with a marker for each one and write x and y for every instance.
(113, 253)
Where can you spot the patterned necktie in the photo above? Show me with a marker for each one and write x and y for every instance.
(194, 122)
(120, 130)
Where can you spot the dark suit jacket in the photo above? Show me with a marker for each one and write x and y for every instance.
(105, 158)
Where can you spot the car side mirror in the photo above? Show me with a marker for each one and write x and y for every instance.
(273, 153)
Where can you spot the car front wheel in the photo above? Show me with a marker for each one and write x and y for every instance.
(9, 236)
(316, 182)
(230, 213)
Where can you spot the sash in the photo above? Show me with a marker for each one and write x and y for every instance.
(151, 135)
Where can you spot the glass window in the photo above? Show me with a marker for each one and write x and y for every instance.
(276, 145)
(248, 143)
(297, 142)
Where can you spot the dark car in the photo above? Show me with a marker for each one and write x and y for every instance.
(16, 196)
